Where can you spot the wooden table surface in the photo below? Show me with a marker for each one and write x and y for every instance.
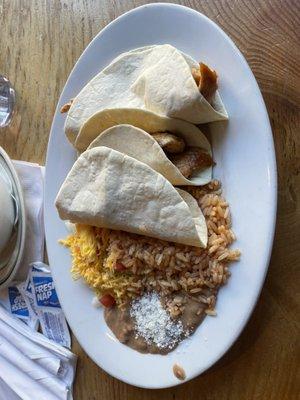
(40, 40)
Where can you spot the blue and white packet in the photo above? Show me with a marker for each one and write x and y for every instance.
(14, 302)
(26, 291)
(46, 304)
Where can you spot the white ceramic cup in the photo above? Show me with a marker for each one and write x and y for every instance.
(7, 214)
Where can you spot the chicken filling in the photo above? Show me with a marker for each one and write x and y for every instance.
(187, 159)
(207, 81)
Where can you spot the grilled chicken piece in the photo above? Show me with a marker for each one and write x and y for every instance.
(191, 160)
(169, 142)
(206, 79)
(66, 107)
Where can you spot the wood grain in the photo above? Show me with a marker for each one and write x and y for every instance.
(40, 41)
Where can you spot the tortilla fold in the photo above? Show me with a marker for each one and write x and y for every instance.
(145, 120)
(108, 189)
(140, 145)
(155, 78)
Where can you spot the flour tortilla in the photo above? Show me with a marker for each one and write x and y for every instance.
(198, 217)
(155, 78)
(146, 120)
(140, 145)
(108, 189)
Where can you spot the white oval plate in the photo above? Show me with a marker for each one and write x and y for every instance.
(243, 149)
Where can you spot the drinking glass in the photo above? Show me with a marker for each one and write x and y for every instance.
(7, 101)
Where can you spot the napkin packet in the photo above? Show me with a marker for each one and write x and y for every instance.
(35, 302)
(12, 300)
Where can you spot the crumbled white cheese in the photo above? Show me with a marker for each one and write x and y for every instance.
(154, 323)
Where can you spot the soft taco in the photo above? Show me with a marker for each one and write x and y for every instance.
(183, 159)
(143, 119)
(108, 189)
(157, 78)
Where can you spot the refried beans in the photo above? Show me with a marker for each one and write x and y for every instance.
(123, 325)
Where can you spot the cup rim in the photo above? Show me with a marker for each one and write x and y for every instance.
(8, 199)
(8, 272)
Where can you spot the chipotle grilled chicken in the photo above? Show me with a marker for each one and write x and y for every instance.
(191, 160)
(66, 107)
(206, 79)
(169, 142)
